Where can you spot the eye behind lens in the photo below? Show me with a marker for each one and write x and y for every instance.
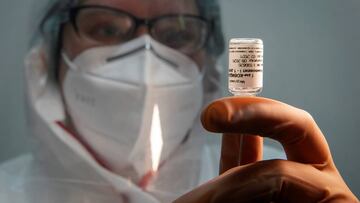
(104, 26)
(186, 34)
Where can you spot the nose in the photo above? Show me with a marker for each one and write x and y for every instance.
(142, 30)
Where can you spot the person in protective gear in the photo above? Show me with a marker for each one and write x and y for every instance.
(121, 66)
(114, 93)
(308, 175)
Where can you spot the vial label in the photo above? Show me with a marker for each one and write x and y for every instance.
(245, 66)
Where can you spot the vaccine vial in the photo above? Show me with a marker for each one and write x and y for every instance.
(245, 66)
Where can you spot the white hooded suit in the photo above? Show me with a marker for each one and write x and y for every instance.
(61, 169)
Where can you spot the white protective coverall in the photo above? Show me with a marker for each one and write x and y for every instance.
(62, 170)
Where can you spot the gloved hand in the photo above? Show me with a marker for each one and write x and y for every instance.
(308, 175)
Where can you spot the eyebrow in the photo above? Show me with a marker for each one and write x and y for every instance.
(192, 10)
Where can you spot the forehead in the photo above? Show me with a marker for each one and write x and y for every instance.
(149, 8)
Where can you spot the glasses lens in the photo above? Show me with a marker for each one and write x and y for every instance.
(104, 26)
(184, 33)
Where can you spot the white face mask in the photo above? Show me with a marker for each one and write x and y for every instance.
(111, 94)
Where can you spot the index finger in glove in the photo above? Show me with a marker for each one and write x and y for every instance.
(294, 128)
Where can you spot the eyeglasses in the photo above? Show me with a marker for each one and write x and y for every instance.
(110, 26)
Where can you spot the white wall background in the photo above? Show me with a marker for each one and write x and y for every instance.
(14, 35)
(311, 61)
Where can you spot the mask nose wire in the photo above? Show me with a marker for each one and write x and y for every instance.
(147, 47)
(68, 61)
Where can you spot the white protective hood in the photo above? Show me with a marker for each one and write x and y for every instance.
(61, 170)
(65, 170)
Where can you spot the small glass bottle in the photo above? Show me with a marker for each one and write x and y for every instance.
(245, 66)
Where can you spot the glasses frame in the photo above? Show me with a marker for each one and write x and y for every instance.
(149, 23)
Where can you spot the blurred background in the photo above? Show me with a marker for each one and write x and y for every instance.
(14, 38)
(311, 61)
